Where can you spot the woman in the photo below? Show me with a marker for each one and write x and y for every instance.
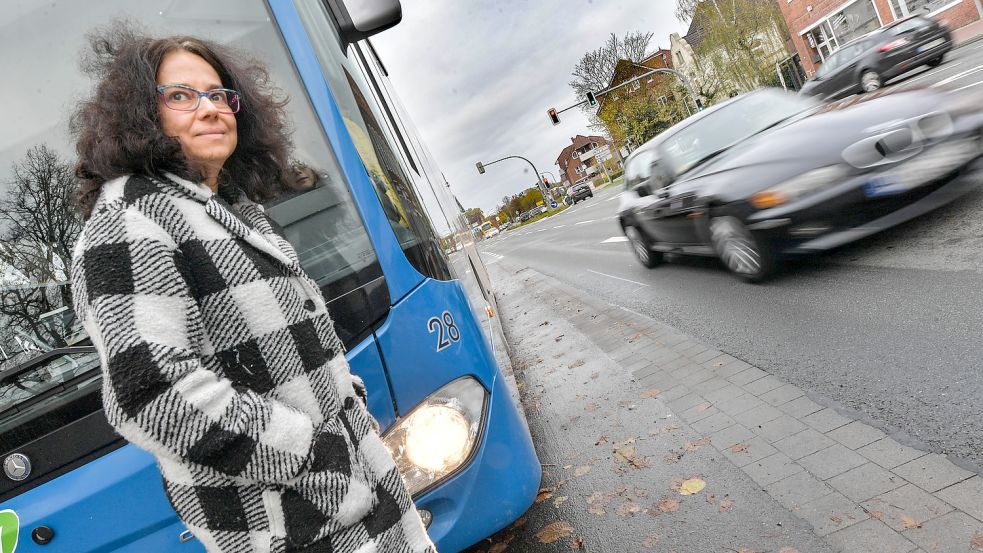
(218, 353)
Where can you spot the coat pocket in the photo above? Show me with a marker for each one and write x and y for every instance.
(337, 490)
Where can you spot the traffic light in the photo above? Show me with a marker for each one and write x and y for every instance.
(699, 105)
(481, 168)
(546, 182)
(591, 99)
(553, 116)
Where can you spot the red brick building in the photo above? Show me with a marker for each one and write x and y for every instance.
(820, 27)
(580, 161)
(625, 71)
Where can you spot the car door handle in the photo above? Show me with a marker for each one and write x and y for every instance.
(662, 195)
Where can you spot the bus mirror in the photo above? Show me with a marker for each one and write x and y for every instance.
(360, 19)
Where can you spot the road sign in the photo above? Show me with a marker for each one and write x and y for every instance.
(553, 204)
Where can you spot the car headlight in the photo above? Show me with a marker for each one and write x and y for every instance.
(439, 435)
(809, 182)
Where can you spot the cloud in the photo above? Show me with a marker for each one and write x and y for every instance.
(477, 79)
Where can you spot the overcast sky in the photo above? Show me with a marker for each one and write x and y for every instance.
(478, 77)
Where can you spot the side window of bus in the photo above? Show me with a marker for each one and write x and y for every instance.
(37, 153)
(384, 150)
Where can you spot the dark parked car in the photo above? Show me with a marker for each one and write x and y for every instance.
(580, 192)
(770, 173)
(865, 64)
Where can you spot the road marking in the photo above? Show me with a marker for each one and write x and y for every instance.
(496, 260)
(585, 222)
(615, 239)
(618, 278)
(959, 76)
(947, 66)
(977, 83)
(558, 226)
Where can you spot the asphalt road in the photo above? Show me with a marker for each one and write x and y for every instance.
(889, 328)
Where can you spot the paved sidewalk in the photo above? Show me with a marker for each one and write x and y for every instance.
(968, 33)
(626, 410)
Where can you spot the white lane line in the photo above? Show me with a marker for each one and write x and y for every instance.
(958, 76)
(615, 239)
(977, 83)
(558, 226)
(920, 76)
(585, 222)
(617, 278)
(496, 259)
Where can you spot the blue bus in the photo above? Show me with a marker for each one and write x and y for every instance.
(372, 219)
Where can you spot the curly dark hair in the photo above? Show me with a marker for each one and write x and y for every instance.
(119, 129)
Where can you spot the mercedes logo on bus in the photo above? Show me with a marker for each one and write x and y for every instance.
(17, 466)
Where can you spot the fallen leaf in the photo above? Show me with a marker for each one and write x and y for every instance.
(577, 544)
(575, 364)
(544, 323)
(597, 501)
(725, 504)
(501, 546)
(703, 407)
(692, 486)
(567, 467)
(582, 470)
(629, 507)
(650, 541)
(558, 338)
(641, 493)
(788, 550)
(711, 498)
(593, 376)
(909, 522)
(651, 392)
(602, 440)
(638, 461)
(673, 457)
(559, 499)
(976, 542)
(591, 407)
(555, 531)
(693, 446)
(544, 494)
(668, 505)
(738, 448)
(877, 514)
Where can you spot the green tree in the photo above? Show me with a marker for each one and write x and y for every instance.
(640, 117)
(594, 70)
(742, 41)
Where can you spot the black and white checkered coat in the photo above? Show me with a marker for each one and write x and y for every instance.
(219, 357)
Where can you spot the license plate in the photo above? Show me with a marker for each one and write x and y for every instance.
(924, 168)
(930, 45)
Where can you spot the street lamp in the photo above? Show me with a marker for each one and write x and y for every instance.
(539, 179)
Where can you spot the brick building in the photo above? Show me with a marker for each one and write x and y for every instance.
(580, 161)
(626, 70)
(820, 27)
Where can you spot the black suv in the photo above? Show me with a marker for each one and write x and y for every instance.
(580, 192)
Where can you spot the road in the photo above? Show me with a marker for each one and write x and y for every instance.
(889, 328)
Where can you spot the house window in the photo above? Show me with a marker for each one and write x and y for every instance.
(575, 154)
(853, 21)
(904, 8)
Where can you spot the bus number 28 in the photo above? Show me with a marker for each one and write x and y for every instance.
(446, 329)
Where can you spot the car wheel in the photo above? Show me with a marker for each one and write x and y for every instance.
(870, 81)
(744, 255)
(935, 62)
(640, 246)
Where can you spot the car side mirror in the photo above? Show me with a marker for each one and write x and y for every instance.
(643, 189)
(360, 19)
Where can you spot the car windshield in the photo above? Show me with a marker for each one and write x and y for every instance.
(718, 131)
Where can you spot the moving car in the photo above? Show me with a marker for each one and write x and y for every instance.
(770, 173)
(865, 64)
(579, 192)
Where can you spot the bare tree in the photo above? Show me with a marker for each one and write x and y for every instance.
(595, 68)
(39, 225)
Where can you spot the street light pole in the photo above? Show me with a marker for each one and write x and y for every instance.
(539, 178)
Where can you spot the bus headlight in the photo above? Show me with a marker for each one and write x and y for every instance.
(439, 435)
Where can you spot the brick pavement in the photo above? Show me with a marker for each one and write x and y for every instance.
(856, 486)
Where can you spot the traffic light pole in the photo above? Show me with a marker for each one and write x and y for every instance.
(539, 179)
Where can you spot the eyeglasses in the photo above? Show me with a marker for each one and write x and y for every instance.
(184, 98)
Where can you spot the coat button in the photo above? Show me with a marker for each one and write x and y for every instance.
(309, 305)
